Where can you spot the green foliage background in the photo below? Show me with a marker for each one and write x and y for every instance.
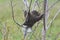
(15, 32)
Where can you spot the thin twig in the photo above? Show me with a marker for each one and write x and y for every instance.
(53, 5)
(29, 6)
(13, 14)
(53, 18)
(36, 3)
(26, 3)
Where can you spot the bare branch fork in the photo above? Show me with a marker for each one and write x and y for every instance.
(13, 14)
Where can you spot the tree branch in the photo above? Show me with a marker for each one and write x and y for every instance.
(44, 20)
(52, 5)
(26, 4)
(13, 15)
(53, 18)
(36, 3)
(51, 8)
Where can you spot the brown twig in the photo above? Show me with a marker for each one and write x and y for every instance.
(13, 14)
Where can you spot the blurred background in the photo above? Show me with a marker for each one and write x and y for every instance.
(11, 31)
